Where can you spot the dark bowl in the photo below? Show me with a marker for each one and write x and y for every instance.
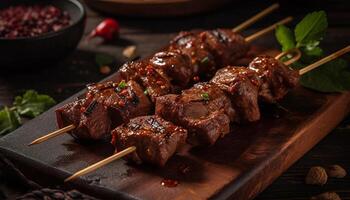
(43, 50)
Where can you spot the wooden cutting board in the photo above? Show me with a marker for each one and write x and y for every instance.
(239, 166)
(155, 8)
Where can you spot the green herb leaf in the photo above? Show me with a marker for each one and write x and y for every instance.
(9, 121)
(32, 104)
(122, 85)
(103, 59)
(285, 37)
(333, 76)
(205, 60)
(312, 28)
(205, 96)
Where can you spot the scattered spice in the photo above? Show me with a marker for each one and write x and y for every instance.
(107, 29)
(30, 21)
(130, 51)
(336, 171)
(205, 96)
(205, 60)
(196, 78)
(327, 196)
(316, 176)
(169, 183)
(105, 69)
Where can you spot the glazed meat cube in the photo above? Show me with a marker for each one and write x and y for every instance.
(105, 106)
(123, 100)
(202, 60)
(242, 86)
(155, 83)
(277, 78)
(155, 139)
(203, 110)
(91, 120)
(175, 65)
(226, 45)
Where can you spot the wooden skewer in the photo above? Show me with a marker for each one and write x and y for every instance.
(256, 17)
(53, 134)
(324, 60)
(268, 29)
(296, 56)
(101, 163)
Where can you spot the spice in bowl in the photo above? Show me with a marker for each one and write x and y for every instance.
(30, 21)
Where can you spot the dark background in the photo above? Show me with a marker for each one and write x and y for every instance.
(60, 80)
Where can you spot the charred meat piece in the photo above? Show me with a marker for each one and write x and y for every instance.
(155, 139)
(153, 80)
(242, 86)
(91, 119)
(175, 65)
(105, 106)
(202, 60)
(277, 78)
(203, 110)
(130, 71)
(226, 45)
(124, 100)
(155, 83)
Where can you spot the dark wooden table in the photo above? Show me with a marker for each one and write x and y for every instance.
(63, 79)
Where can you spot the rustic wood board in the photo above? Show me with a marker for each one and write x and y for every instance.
(239, 166)
(155, 8)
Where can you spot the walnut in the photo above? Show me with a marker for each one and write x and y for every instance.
(316, 176)
(336, 171)
(327, 196)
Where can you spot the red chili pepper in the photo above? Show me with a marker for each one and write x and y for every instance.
(107, 29)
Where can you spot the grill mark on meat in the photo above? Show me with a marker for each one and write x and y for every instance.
(90, 108)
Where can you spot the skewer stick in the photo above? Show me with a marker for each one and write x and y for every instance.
(296, 56)
(256, 17)
(268, 29)
(101, 163)
(53, 134)
(324, 60)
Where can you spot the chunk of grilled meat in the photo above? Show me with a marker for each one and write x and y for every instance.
(202, 60)
(91, 120)
(106, 106)
(277, 79)
(242, 86)
(154, 81)
(175, 65)
(203, 110)
(226, 45)
(155, 139)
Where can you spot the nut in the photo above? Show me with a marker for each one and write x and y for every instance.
(336, 171)
(130, 51)
(105, 69)
(327, 196)
(316, 176)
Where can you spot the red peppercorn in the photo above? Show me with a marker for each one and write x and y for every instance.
(107, 29)
(149, 70)
(196, 78)
(159, 82)
(121, 103)
(124, 92)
